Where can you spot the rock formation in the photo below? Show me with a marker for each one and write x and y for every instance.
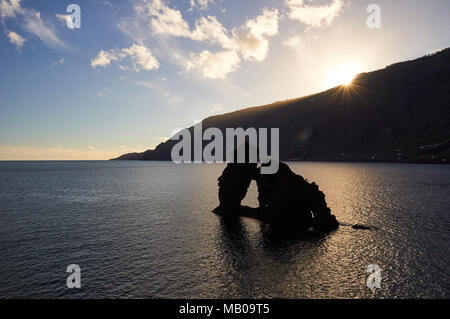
(285, 198)
(234, 183)
(233, 186)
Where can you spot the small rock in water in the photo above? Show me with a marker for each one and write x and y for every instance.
(357, 226)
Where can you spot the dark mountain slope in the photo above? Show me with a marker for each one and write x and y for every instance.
(400, 113)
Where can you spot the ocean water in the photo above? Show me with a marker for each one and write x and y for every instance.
(145, 230)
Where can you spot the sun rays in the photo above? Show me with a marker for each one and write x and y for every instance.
(342, 75)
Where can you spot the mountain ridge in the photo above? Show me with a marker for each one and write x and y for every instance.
(397, 114)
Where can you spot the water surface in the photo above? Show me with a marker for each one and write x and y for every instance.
(145, 229)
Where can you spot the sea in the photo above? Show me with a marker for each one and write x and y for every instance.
(146, 230)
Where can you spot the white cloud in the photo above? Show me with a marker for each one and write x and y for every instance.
(140, 56)
(64, 18)
(35, 25)
(31, 22)
(293, 41)
(10, 8)
(214, 65)
(60, 61)
(106, 3)
(210, 30)
(201, 4)
(265, 24)
(168, 21)
(103, 92)
(164, 20)
(314, 16)
(170, 98)
(104, 58)
(249, 41)
(253, 42)
(16, 39)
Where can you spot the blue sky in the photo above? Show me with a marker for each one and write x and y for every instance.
(137, 70)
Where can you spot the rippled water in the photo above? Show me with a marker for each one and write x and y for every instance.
(145, 229)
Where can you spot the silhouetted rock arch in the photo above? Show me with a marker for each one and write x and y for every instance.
(285, 198)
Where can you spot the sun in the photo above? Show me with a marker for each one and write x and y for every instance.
(342, 75)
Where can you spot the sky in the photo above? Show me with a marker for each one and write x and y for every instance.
(136, 70)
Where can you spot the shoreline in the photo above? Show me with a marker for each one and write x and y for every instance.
(288, 161)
